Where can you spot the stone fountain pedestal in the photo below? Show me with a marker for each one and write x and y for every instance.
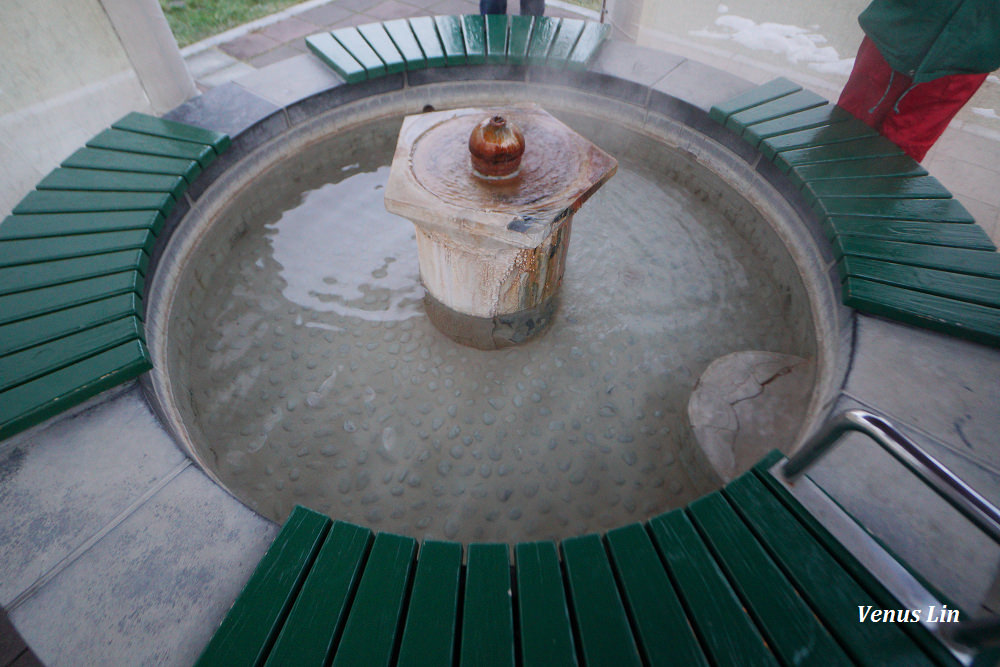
(492, 251)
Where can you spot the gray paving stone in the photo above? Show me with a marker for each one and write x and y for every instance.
(907, 516)
(249, 45)
(225, 75)
(391, 9)
(154, 589)
(283, 52)
(228, 108)
(941, 385)
(701, 85)
(288, 29)
(63, 484)
(325, 15)
(357, 5)
(290, 80)
(634, 63)
(208, 61)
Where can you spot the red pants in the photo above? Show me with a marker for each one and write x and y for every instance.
(912, 117)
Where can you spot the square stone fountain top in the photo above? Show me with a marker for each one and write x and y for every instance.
(431, 181)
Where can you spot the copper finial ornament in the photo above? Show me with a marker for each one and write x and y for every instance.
(496, 145)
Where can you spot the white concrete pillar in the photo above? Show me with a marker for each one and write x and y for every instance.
(624, 17)
(152, 51)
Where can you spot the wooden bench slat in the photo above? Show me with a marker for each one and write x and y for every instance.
(958, 260)
(429, 637)
(487, 610)
(496, 39)
(356, 45)
(100, 158)
(958, 286)
(375, 619)
(565, 41)
(34, 362)
(25, 305)
(729, 636)
(587, 45)
(542, 35)
(313, 626)
(39, 225)
(251, 626)
(762, 94)
(425, 30)
(64, 178)
(378, 39)
(32, 403)
(520, 36)
(879, 187)
(169, 129)
(820, 579)
(135, 142)
(63, 201)
(955, 235)
(25, 333)
(602, 626)
(449, 29)
(406, 43)
(840, 141)
(32, 276)
(545, 629)
(34, 251)
(900, 165)
(783, 106)
(816, 117)
(664, 635)
(927, 210)
(336, 57)
(967, 320)
(792, 631)
(474, 36)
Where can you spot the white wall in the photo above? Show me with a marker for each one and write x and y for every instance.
(70, 68)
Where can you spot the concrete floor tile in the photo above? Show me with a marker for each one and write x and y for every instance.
(967, 178)
(249, 45)
(455, 7)
(391, 9)
(907, 516)
(290, 80)
(942, 385)
(289, 29)
(118, 452)
(154, 589)
(226, 74)
(208, 61)
(325, 15)
(283, 52)
(357, 5)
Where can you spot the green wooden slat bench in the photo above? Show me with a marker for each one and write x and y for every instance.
(743, 576)
(73, 260)
(378, 49)
(906, 249)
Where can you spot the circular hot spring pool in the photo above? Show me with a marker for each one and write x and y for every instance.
(295, 362)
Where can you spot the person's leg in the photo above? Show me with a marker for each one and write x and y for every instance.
(492, 6)
(532, 7)
(922, 113)
(873, 87)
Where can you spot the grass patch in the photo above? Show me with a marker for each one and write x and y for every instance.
(194, 20)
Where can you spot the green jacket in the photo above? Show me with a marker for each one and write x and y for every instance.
(927, 39)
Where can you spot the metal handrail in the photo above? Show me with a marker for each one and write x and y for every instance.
(942, 480)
